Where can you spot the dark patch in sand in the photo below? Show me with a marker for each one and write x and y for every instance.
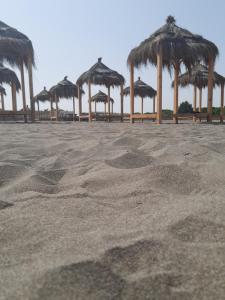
(130, 160)
(4, 204)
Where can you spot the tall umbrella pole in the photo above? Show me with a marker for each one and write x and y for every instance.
(38, 104)
(222, 103)
(112, 107)
(14, 104)
(80, 101)
(57, 108)
(142, 108)
(200, 100)
(131, 92)
(121, 102)
(2, 102)
(23, 91)
(73, 109)
(30, 74)
(89, 93)
(210, 89)
(108, 104)
(153, 105)
(195, 102)
(159, 85)
(95, 108)
(175, 103)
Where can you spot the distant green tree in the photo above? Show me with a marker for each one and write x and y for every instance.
(185, 107)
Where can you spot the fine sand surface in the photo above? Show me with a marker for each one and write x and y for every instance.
(112, 211)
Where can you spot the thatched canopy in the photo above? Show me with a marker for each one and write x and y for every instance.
(100, 74)
(8, 76)
(178, 45)
(43, 96)
(15, 46)
(101, 97)
(2, 90)
(141, 89)
(198, 76)
(65, 89)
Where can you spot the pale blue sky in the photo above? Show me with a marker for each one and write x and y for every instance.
(68, 36)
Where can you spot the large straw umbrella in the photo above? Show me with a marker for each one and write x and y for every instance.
(65, 89)
(101, 97)
(198, 77)
(43, 96)
(17, 49)
(9, 77)
(142, 90)
(100, 74)
(2, 93)
(169, 47)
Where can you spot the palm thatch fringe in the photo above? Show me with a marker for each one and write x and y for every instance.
(100, 74)
(43, 96)
(8, 76)
(101, 97)
(141, 89)
(178, 45)
(2, 90)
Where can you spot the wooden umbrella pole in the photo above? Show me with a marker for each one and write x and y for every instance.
(121, 102)
(131, 92)
(200, 100)
(175, 103)
(2, 102)
(38, 103)
(89, 103)
(112, 108)
(73, 109)
(222, 103)
(14, 104)
(142, 108)
(210, 88)
(30, 74)
(95, 108)
(80, 101)
(109, 104)
(159, 85)
(23, 91)
(57, 107)
(105, 110)
(153, 105)
(194, 102)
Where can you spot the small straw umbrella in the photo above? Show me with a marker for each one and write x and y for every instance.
(17, 49)
(169, 47)
(100, 74)
(43, 96)
(65, 89)
(142, 90)
(3, 93)
(9, 77)
(101, 97)
(198, 77)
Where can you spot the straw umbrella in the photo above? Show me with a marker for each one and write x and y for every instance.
(170, 46)
(9, 77)
(43, 96)
(100, 74)
(65, 89)
(142, 90)
(3, 93)
(101, 97)
(198, 77)
(17, 49)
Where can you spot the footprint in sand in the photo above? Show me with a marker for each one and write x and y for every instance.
(195, 229)
(4, 204)
(9, 173)
(130, 160)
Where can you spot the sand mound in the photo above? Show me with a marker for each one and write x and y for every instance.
(4, 204)
(130, 160)
(195, 229)
(79, 282)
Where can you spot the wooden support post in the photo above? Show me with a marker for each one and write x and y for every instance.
(2, 102)
(109, 104)
(131, 92)
(89, 101)
(112, 107)
(121, 102)
(175, 100)
(222, 103)
(159, 86)
(80, 101)
(95, 108)
(38, 105)
(195, 102)
(73, 109)
(14, 104)
(57, 107)
(23, 91)
(200, 100)
(142, 108)
(210, 89)
(105, 111)
(153, 110)
(30, 74)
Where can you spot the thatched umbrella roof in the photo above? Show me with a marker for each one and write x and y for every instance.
(15, 46)
(141, 89)
(43, 96)
(100, 74)
(2, 90)
(101, 97)
(178, 44)
(65, 89)
(198, 76)
(8, 76)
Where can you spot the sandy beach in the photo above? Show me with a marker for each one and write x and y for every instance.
(112, 211)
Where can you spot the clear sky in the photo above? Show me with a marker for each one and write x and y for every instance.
(68, 36)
